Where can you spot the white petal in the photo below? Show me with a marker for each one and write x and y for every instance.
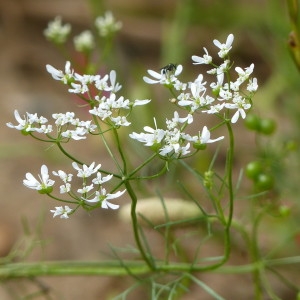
(149, 80)
(235, 117)
(229, 40)
(178, 70)
(217, 43)
(105, 204)
(154, 74)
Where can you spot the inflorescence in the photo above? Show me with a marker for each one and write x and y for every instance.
(227, 99)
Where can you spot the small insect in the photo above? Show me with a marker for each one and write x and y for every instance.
(170, 68)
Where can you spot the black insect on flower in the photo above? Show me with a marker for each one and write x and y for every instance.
(170, 68)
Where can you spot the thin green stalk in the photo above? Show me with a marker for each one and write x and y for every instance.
(135, 225)
(254, 250)
(120, 150)
(61, 148)
(229, 164)
(147, 161)
(115, 268)
(106, 144)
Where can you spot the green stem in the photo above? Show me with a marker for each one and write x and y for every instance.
(61, 148)
(256, 256)
(135, 225)
(120, 150)
(229, 164)
(116, 268)
(95, 119)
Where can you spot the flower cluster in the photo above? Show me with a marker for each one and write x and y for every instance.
(91, 190)
(101, 94)
(84, 42)
(225, 96)
(173, 142)
(107, 25)
(107, 107)
(58, 33)
(67, 126)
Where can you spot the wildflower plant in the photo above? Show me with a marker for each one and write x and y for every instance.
(224, 93)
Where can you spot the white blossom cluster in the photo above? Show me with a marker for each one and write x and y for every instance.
(67, 126)
(57, 32)
(107, 25)
(226, 98)
(107, 107)
(221, 97)
(92, 189)
(85, 41)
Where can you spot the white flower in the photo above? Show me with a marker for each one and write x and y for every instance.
(173, 144)
(252, 85)
(206, 59)
(101, 112)
(78, 88)
(176, 120)
(88, 125)
(57, 32)
(61, 211)
(244, 74)
(241, 105)
(86, 171)
(204, 137)
(63, 176)
(214, 109)
(77, 134)
(43, 185)
(120, 121)
(107, 25)
(44, 129)
(65, 77)
(217, 85)
(115, 86)
(65, 188)
(103, 198)
(84, 42)
(180, 86)
(153, 136)
(225, 95)
(100, 180)
(113, 103)
(62, 119)
(164, 77)
(101, 83)
(85, 189)
(224, 48)
(24, 124)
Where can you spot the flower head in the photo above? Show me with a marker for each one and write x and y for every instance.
(241, 105)
(103, 197)
(84, 42)
(61, 211)
(27, 124)
(86, 171)
(205, 59)
(151, 137)
(66, 77)
(56, 32)
(224, 48)
(107, 25)
(43, 185)
(167, 77)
